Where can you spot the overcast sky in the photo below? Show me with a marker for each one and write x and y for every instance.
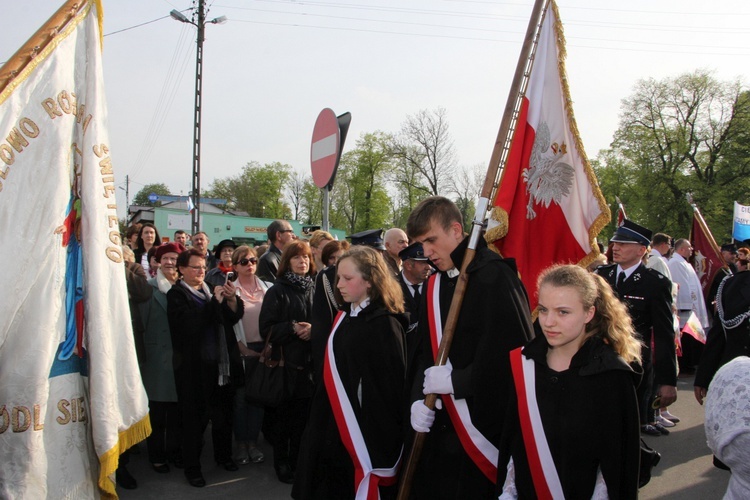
(276, 63)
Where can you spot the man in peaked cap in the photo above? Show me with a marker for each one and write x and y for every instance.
(372, 238)
(416, 270)
(648, 295)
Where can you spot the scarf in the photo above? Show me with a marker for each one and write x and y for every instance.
(302, 282)
(205, 295)
(162, 282)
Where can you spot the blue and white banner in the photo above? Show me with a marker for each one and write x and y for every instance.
(741, 226)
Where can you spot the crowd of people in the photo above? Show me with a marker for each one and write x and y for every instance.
(355, 330)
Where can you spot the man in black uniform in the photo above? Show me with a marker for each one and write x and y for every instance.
(648, 295)
(415, 271)
(460, 450)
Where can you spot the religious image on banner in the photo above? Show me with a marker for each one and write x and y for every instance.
(71, 395)
(741, 225)
(549, 208)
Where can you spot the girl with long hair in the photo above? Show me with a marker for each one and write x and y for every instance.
(574, 408)
(354, 439)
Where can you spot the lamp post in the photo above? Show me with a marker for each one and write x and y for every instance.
(200, 23)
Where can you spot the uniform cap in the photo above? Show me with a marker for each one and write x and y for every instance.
(372, 238)
(630, 232)
(413, 251)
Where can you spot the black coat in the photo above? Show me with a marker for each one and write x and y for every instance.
(494, 319)
(648, 295)
(590, 418)
(283, 303)
(370, 358)
(268, 264)
(725, 344)
(195, 334)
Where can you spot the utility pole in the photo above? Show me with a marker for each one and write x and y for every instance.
(200, 23)
(197, 129)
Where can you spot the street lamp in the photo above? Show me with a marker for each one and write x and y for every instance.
(201, 25)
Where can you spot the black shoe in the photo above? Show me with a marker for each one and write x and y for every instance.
(195, 478)
(125, 479)
(161, 468)
(644, 477)
(663, 430)
(651, 430)
(229, 465)
(285, 474)
(177, 462)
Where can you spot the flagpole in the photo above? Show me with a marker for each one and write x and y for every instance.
(38, 41)
(499, 152)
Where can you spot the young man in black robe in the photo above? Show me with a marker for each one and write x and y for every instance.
(494, 319)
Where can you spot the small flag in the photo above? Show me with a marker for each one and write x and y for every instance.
(694, 329)
(741, 226)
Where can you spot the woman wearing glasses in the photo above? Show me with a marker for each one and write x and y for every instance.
(201, 360)
(248, 418)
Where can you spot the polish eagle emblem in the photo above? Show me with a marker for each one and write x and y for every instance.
(547, 178)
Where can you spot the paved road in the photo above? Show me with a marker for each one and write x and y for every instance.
(684, 473)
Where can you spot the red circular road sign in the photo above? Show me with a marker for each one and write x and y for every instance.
(325, 148)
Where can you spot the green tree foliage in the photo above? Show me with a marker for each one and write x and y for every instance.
(677, 136)
(359, 199)
(141, 197)
(258, 190)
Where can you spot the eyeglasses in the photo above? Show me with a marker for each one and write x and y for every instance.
(244, 262)
(197, 268)
(286, 230)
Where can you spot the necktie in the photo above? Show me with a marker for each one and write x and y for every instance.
(620, 278)
(417, 295)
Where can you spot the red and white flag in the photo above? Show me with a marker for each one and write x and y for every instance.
(620, 212)
(707, 258)
(549, 207)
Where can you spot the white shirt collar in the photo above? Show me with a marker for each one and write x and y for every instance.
(627, 271)
(355, 310)
(452, 272)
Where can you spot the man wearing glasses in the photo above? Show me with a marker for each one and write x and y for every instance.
(280, 233)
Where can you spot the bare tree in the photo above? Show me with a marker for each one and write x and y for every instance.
(424, 144)
(296, 187)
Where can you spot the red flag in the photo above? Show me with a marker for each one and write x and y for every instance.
(548, 208)
(620, 212)
(707, 257)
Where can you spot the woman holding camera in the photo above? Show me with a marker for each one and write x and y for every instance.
(202, 361)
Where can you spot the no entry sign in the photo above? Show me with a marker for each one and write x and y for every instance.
(325, 149)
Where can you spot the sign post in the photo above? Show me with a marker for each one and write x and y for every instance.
(328, 139)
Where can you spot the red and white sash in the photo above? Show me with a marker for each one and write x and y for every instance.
(482, 452)
(366, 479)
(542, 466)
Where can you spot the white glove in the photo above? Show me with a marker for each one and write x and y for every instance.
(422, 417)
(437, 380)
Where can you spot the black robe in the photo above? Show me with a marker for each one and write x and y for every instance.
(725, 344)
(370, 357)
(494, 319)
(590, 417)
